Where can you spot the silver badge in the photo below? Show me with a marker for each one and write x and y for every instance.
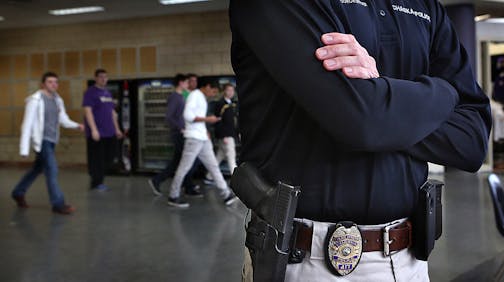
(344, 247)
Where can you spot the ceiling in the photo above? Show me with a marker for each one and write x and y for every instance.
(28, 13)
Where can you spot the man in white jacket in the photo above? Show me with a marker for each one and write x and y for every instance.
(197, 144)
(44, 113)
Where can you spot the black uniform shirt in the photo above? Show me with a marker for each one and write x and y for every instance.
(359, 148)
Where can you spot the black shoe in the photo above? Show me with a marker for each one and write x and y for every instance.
(177, 202)
(230, 199)
(155, 188)
(194, 192)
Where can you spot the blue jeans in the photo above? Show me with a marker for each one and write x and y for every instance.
(45, 162)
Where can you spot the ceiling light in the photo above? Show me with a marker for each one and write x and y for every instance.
(172, 2)
(495, 20)
(481, 17)
(2, 19)
(79, 10)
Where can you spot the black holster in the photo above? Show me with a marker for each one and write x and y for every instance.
(269, 263)
(270, 228)
(428, 219)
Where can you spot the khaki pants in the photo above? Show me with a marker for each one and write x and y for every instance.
(373, 266)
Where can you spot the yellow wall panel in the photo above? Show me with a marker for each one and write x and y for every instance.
(20, 93)
(54, 62)
(64, 92)
(37, 67)
(20, 66)
(128, 61)
(72, 63)
(89, 62)
(5, 95)
(5, 123)
(5, 65)
(109, 60)
(148, 59)
(18, 120)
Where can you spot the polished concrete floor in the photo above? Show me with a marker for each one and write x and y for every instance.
(126, 234)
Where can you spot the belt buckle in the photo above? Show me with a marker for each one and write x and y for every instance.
(386, 237)
(343, 248)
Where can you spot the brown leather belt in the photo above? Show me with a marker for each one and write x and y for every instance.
(372, 240)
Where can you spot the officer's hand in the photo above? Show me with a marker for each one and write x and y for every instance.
(343, 52)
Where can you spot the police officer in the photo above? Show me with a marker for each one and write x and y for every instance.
(356, 118)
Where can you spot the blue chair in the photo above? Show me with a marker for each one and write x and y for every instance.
(497, 193)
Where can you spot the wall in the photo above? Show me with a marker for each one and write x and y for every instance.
(148, 47)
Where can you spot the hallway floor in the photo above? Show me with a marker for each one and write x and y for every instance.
(126, 234)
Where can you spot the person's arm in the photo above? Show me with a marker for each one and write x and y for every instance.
(461, 141)
(26, 127)
(381, 114)
(190, 112)
(171, 109)
(115, 119)
(65, 120)
(88, 114)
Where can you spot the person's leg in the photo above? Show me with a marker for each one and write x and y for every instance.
(230, 151)
(219, 156)
(192, 147)
(30, 176)
(95, 161)
(177, 140)
(110, 149)
(51, 174)
(207, 157)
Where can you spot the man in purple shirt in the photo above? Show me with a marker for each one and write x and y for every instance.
(175, 105)
(102, 129)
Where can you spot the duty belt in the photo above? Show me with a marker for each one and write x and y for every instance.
(386, 239)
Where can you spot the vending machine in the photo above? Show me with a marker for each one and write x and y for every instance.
(154, 145)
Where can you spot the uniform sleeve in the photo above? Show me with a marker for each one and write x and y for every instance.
(383, 114)
(462, 140)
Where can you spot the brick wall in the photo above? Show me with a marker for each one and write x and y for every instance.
(134, 48)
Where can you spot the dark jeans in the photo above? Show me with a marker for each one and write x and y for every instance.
(100, 155)
(44, 162)
(169, 171)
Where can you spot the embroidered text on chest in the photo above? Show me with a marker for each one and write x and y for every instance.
(410, 11)
(104, 99)
(353, 2)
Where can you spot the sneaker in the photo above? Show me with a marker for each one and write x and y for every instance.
(155, 188)
(20, 201)
(101, 187)
(229, 200)
(177, 202)
(208, 181)
(65, 209)
(194, 192)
